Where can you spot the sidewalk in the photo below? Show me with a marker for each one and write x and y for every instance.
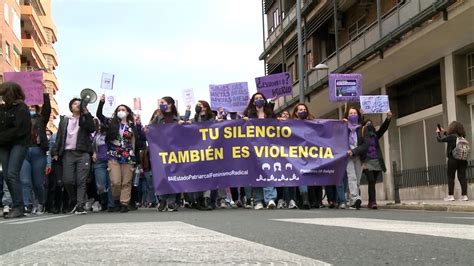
(429, 205)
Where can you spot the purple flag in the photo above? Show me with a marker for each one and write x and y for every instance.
(345, 87)
(275, 85)
(31, 83)
(233, 97)
(254, 153)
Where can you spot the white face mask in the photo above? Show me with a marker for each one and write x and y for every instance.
(121, 114)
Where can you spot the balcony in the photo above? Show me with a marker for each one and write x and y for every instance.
(33, 53)
(49, 50)
(47, 22)
(32, 22)
(51, 77)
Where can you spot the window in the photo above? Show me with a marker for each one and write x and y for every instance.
(470, 69)
(6, 12)
(7, 52)
(16, 24)
(292, 71)
(357, 27)
(309, 61)
(295, 75)
(418, 92)
(276, 18)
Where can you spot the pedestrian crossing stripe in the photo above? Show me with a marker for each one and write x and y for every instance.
(459, 231)
(150, 243)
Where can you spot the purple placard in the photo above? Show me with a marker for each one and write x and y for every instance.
(231, 153)
(31, 83)
(345, 87)
(233, 97)
(276, 85)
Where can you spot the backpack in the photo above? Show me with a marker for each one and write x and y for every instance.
(462, 149)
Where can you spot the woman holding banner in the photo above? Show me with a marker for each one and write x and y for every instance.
(259, 108)
(358, 144)
(203, 113)
(121, 154)
(168, 114)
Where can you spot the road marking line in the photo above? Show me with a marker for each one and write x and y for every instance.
(27, 221)
(460, 231)
(150, 243)
(467, 218)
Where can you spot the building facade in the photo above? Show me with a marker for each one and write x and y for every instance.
(27, 37)
(419, 52)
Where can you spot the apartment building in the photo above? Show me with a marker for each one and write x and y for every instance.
(419, 52)
(27, 38)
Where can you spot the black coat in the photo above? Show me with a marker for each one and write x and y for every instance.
(84, 143)
(39, 123)
(15, 125)
(379, 133)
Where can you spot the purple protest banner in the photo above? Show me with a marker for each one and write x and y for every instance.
(254, 153)
(345, 87)
(275, 85)
(233, 97)
(31, 83)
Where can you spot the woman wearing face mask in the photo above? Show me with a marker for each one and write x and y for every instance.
(300, 112)
(259, 108)
(168, 114)
(121, 154)
(358, 144)
(374, 163)
(32, 172)
(203, 113)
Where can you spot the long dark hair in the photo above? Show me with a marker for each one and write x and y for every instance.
(115, 122)
(11, 93)
(208, 115)
(346, 115)
(170, 101)
(251, 110)
(295, 112)
(456, 128)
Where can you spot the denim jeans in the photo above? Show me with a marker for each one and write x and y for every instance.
(265, 194)
(32, 174)
(341, 190)
(151, 196)
(102, 181)
(12, 159)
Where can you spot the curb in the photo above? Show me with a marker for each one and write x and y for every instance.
(428, 207)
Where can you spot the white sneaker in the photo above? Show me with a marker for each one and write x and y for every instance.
(259, 206)
(464, 198)
(233, 205)
(39, 209)
(449, 198)
(342, 206)
(88, 206)
(281, 204)
(271, 205)
(96, 207)
(222, 204)
(6, 210)
(292, 205)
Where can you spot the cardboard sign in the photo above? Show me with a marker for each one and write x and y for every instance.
(345, 87)
(375, 104)
(31, 83)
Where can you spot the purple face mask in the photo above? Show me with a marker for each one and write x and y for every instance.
(353, 119)
(163, 107)
(260, 103)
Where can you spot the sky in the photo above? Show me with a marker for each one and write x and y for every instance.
(155, 48)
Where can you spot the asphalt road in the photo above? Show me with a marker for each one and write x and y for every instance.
(339, 237)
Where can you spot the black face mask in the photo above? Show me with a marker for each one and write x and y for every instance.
(198, 109)
(370, 128)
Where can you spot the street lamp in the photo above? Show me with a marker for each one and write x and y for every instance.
(319, 67)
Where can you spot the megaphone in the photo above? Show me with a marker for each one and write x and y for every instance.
(88, 96)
